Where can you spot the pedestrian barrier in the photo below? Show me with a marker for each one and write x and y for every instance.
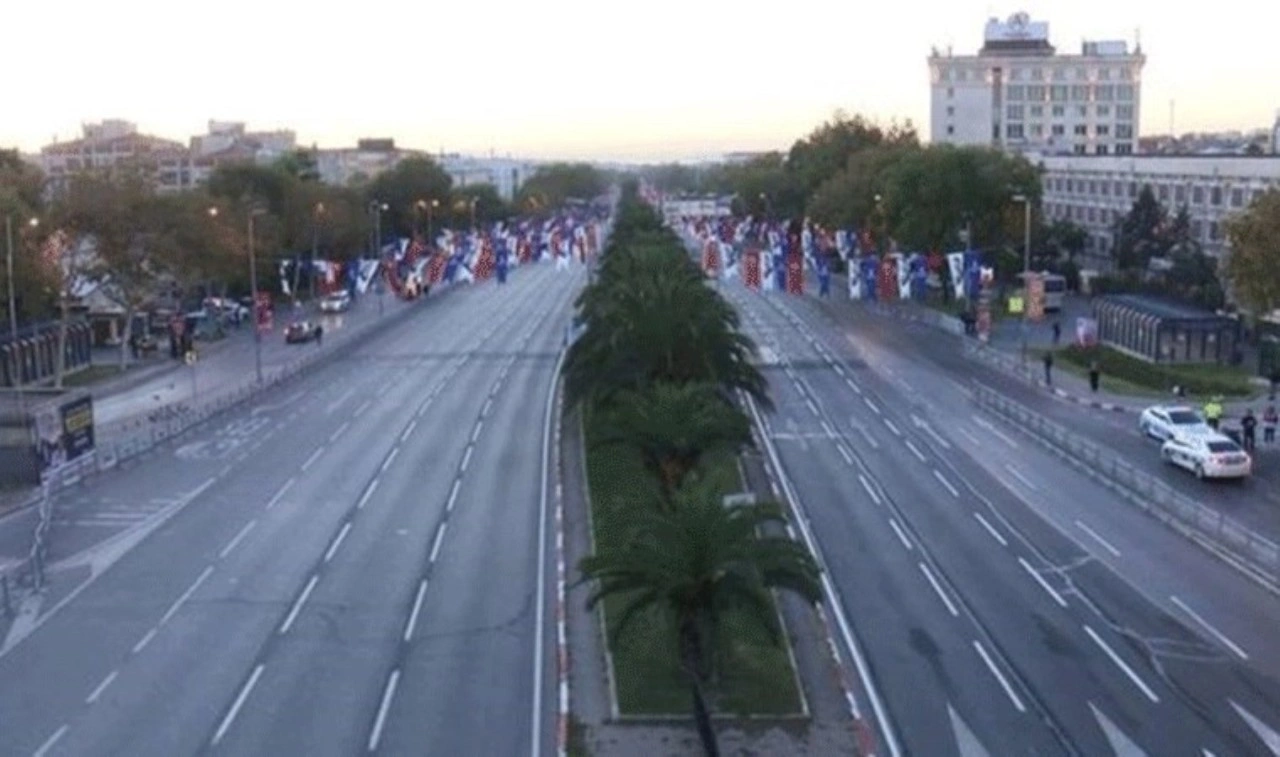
(1221, 534)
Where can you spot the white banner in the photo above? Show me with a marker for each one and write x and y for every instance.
(955, 264)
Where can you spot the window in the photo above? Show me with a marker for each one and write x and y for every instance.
(951, 110)
(1081, 130)
(1104, 74)
(1215, 196)
(1079, 150)
(1058, 93)
(1082, 111)
(951, 130)
(1124, 92)
(1102, 150)
(1059, 111)
(1104, 111)
(1124, 112)
(1035, 111)
(1133, 189)
(1036, 92)
(1082, 74)
(1092, 214)
(1180, 194)
(1126, 74)
(1102, 130)
(1106, 189)
(1197, 195)
(1104, 92)
(1197, 229)
(1016, 92)
(1071, 185)
(1015, 74)
(1237, 198)
(1215, 233)
(1079, 93)
(1124, 131)
(1037, 130)
(1014, 131)
(1093, 187)
(1059, 74)
(995, 132)
(1058, 131)
(1013, 112)
(951, 92)
(1162, 191)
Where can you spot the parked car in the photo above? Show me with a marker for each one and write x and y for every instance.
(1208, 455)
(338, 302)
(300, 332)
(1163, 421)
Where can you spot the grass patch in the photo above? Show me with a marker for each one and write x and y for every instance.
(756, 677)
(1121, 372)
(92, 375)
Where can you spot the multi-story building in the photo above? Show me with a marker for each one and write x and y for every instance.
(1275, 135)
(347, 166)
(230, 137)
(506, 175)
(1096, 192)
(114, 143)
(1017, 93)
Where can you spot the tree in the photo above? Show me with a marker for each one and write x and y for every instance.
(552, 185)
(267, 187)
(673, 427)
(413, 179)
(827, 149)
(695, 564)
(1253, 264)
(1141, 233)
(22, 201)
(490, 206)
(763, 187)
(848, 199)
(1065, 238)
(299, 165)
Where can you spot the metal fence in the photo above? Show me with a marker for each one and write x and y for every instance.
(1220, 533)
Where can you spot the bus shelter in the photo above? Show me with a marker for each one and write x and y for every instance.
(1165, 332)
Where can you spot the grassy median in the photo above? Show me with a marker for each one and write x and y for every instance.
(756, 677)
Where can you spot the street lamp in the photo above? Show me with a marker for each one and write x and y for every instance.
(315, 247)
(253, 289)
(1026, 265)
(435, 203)
(378, 208)
(474, 201)
(13, 303)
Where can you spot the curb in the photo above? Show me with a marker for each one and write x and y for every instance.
(562, 639)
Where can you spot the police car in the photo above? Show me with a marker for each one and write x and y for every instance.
(1207, 454)
(1163, 421)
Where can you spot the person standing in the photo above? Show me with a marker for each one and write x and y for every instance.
(1048, 368)
(1270, 419)
(1213, 413)
(1057, 333)
(1095, 374)
(1249, 430)
(319, 335)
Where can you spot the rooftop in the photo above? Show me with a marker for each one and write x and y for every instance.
(1166, 310)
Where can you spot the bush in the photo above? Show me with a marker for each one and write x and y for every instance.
(1196, 379)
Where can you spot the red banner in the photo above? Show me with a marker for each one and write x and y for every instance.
(484, 263)
(524, 252)
(435, 268)
(711, 259)
(751, 270)
(264, 315)
(887, 280)
(795, 274)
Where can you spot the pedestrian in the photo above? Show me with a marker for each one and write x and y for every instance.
(319, 334)
(1057, 332)
(1248, 430)
(1094, 375)
(1213, 413)
(1048, 368)
(1270, 419)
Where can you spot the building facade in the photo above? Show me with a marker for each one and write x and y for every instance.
(347, 166)
(506, 175)
(1096, 192)
(117, 144)
(1018, 94)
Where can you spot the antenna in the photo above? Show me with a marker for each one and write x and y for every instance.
(1171, 132)
(1137, 39)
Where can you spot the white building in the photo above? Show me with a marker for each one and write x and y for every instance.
(228, 136)
(1018, 94)
(358, 165)
(117, 144)
(506, 175)
(1095, 192)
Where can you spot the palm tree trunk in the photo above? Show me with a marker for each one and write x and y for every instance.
(691, 657)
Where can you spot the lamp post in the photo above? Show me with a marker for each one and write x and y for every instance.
(253, 288)
(315, 247)
(474, 201)
(430, 213)
(13, 304)
(1026, 265)
(377, 208)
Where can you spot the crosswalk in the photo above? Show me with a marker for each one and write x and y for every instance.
(107, 512)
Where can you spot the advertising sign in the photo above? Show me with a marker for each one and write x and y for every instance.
(1035, 296)
(64, 431)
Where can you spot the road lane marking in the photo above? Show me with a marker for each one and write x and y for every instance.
(1220, 636)
(871, 405)
(970, 436)
(867, 435)
(49, 742)
(435, 545)
(314, 456)
(235, 540)
(915, 450)
(1021, 478)
(839, 371)
(390, 457)
(475, 432)
(341, 399)
(144, 641)
(208, 571)
(453, 495)
(1004, 684)
(337, 541)
(984, 423)
(368, 492)
(1120, 663)
(339, 432)
(844, 452)
(812, 407)
(990, 529)
(826, 429)
(97, 691)
(363, 407)
(408, 430)
(928, 429)
(1043, 584)
(892, 427)
(943, 480)
(297, 605)
(1265, 733)
(236, 705)
(938, 588)
(417, 608)
(466, 458)
(902, 537)
(488, 405)
(1096, 537)
(849, 383)
(376, 734)
(867, 485)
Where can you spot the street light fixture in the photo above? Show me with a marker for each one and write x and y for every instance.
(253, 289)
(13, 303)
(378, 208)
(1026, 265)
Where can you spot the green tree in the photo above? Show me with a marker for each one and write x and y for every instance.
(695, 564)
(490, 206)
(848, 199)
(1253, 264)
(299, 165)
(1141, 233)
(413, 179)
(267, 187)
(674, 427)
(826, 151)
(21, 202)
(1065, 239)
(763, 186)
(552, 185)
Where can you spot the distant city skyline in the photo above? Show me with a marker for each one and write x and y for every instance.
(686, 81)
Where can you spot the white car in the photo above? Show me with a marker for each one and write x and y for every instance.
(1208, 455)
(1164, 421)
(338, 302)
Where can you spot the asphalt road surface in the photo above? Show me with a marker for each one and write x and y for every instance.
(1003, 603)
(350, 565)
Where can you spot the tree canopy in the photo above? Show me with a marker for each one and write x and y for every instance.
(1253, 267)
(412, 180)
(552, 185)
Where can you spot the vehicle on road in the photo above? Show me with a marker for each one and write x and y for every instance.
(338, 302)
(300, 332)
(1208, 455)
(1163, 421)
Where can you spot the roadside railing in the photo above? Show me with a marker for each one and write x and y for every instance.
(1221, 534)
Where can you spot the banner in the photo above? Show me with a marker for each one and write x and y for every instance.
(263, 314)
(795, 274)
(955, 267)
(887, 279)
(751, 269)
(64, 432)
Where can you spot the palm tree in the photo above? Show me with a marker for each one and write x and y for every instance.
(673, 427)
(694, 564)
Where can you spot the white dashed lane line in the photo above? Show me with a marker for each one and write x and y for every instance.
(314, 456)
(101, 687)
(49, 742)
(1098, 538)
(297, 605)
(337, 541)
(1057, 598)
(368, 492)
(943, 480)
(914, 450)
(235, 540)
(1219, 635)
(391, 457)
(236, 705)
(991, 530)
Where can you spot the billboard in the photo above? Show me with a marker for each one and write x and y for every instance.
(64, 431)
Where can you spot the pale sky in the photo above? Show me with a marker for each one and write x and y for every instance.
(661, 79)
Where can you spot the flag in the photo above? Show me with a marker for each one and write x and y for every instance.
(795, 273)
(751, 269)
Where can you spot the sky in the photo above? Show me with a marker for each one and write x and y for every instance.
(571, 79)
